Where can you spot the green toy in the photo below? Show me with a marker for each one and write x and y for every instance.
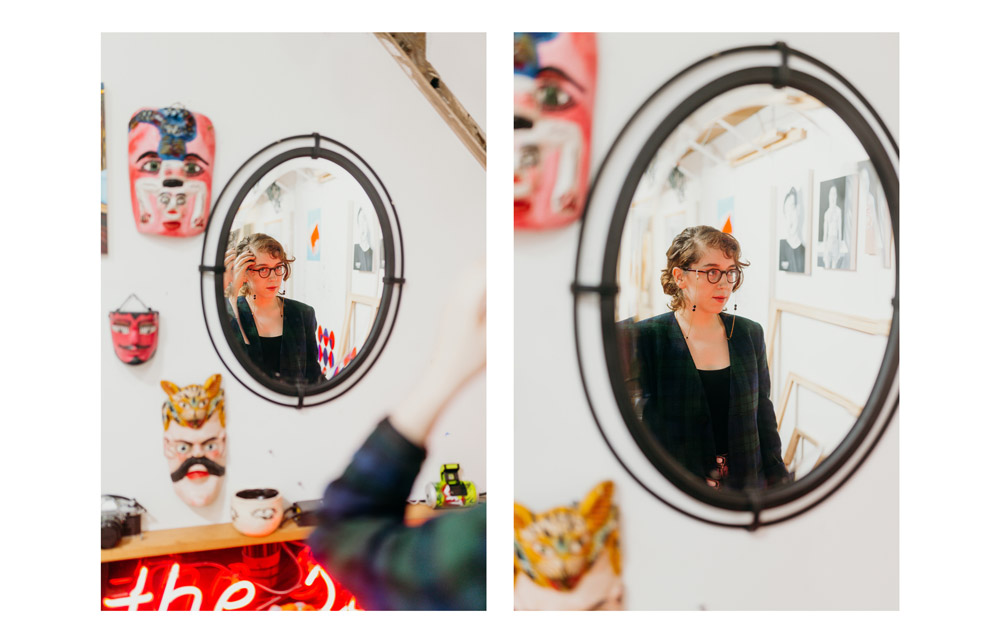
(451, 491)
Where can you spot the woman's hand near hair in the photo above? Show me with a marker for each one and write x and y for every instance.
(242, 262)
(240, 265)
(458, 355)
(228, 262)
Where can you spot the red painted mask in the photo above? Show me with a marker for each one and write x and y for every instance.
(171, 154)
(554, 79)
(134, 335)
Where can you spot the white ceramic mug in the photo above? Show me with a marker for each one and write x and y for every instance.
(256, 512)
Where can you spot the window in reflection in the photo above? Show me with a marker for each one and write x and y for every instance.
(750, 353)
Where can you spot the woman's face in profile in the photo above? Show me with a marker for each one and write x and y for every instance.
(709, 297)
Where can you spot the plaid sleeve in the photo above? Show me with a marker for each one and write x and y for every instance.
(362, 541)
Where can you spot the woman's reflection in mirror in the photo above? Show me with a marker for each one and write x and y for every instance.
(279, 334)
(703, 373)
(792, 252)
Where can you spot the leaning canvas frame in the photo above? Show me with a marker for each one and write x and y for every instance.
(794, 457)
(796, 380)
(853, 322)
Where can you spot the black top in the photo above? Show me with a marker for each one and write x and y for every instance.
(271, 349)
(716, 384)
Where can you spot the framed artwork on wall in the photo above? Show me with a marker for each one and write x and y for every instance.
(837, 224)
(793, 210)
(874, 214)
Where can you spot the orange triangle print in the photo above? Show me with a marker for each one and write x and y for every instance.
(314, 237)
(728, 227)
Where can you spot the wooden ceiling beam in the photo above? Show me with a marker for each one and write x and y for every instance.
(410, 51)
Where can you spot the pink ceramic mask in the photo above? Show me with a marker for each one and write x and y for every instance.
(171, 154)
(554, 80)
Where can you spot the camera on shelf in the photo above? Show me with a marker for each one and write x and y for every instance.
(120, 517)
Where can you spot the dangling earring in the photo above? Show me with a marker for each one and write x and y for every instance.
(255, 296)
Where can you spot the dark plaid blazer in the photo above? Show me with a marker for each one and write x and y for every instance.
(299, 361)
(363, 542)
(675, 408)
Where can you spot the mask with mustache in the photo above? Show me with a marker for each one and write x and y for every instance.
(212, 468)
(194, 439)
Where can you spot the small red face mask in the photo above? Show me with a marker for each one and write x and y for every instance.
(554, 81)
(134, 335)
(171, 155)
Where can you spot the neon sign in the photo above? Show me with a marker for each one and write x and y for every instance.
(167, 583)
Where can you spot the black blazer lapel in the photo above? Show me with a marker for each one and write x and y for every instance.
(744, 443)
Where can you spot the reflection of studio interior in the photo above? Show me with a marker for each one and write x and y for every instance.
(344, 279)
(258, 342)
(786, 176)
(719, 387)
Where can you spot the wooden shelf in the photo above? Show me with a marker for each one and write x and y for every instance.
(189, 539)
(223, 536)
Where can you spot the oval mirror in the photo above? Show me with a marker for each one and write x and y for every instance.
(748, 289)
(304, 270)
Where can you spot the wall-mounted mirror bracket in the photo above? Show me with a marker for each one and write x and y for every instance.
(781, 72)
(604, 290)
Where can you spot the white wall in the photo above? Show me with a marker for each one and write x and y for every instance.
(843, 554)
(258, 89)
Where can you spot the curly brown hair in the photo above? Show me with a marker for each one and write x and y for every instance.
(687, 249)
(262, 244)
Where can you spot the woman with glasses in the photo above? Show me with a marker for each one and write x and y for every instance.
(279, 334)
(703, 373)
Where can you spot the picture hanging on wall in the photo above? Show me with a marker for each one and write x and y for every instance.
(104, 182)
(194, 439)
(567, 558)
(837, 228)
(726, 211)
(313, 225)
(363, 241)
(793, 224)
(874, 213)
(555, 77)
(171, 153)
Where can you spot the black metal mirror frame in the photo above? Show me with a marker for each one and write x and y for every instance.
(607, 290)
(341, 155)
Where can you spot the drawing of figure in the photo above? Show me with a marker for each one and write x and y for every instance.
(792, 249)
(873, 230)
(833, 222)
